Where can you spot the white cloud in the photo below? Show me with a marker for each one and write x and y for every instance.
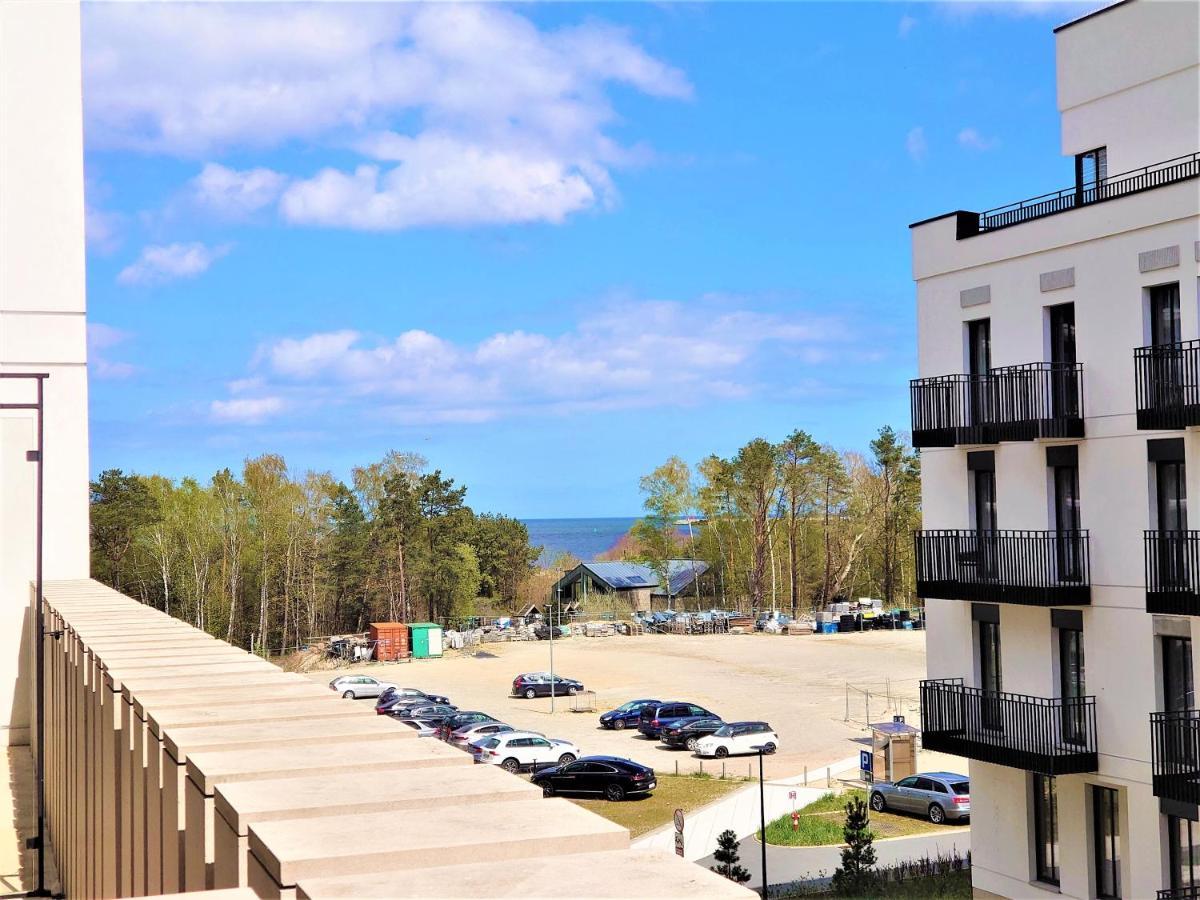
(916, 145)
(161, 263)
(246, 410)
(482, 116)
(973, 140)
(235, 194)
(907, 24)
(100, 339)
(625, 356)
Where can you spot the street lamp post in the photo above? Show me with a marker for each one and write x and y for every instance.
(557, 601)
(762, 816)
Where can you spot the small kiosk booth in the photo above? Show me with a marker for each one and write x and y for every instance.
(893, 750)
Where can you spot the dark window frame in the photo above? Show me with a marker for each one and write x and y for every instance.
(1184, 874)
(1106, 841)
(1045, 816)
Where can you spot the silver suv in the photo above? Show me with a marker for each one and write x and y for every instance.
(943, 796)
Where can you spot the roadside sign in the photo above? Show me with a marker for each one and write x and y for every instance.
(679, 821)
(864, 763)
(791, 795)
(679, 843)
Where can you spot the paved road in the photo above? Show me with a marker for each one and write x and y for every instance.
(786, 864)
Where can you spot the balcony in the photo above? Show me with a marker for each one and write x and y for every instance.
(1192, 892)
(1160, 174)
(1167, 379)
(1028, 568)
(1172, 567)
(1052, 736)
(1012, 403)
(1175, 755)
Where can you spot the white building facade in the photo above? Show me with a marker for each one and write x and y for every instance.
(1056, 407)
(42, 324)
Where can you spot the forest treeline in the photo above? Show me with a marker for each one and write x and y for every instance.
(791, 525)
(266, 560)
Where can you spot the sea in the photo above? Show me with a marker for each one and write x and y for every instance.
(584, 539)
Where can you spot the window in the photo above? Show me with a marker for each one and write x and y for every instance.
(990, 679)
(1045, 828)
(1183, 845)
(1067, 523)
(1107, 837)
(1164, 315)
(1071, 684)
(1091, 168)
(909, 782)
(1064, 388)
(1178, 688)
(979, 363)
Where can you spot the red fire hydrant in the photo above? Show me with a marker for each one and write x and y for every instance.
(795, 821)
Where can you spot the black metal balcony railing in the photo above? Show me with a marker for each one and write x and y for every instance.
(1053, 736)
(1011, 403)
(1190, 892)
(1167, 380)
(1175, 755)
(1172, 572)
(1030, 568)
(1133, 182)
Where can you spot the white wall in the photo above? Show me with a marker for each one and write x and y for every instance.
(42, 316)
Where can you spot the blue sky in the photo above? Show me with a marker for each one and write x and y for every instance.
(546, 246)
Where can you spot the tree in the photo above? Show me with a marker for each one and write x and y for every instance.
(834, 486)
(799, 483)
(856, 877)
(666, 495)
(121, 506)
(505, 558)
(897, 470)
(755, 482)
(728, 858)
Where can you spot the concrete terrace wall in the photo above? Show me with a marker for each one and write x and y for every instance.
(176, 762)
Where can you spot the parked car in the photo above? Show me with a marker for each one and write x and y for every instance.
(738, 737)
(471, 717)
(397, 695)
(609, 776)
(686, 732)
(355, 686)
(652, 719)
(423, 729)
(474, 731)
(941, 796)
(432, 714)
(540, 684)
(517, 750)
(625, 715)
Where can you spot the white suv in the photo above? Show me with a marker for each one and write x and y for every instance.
(738, 737)
(354, 686)
(523, 750)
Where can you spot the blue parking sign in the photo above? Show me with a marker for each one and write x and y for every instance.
(864, 762)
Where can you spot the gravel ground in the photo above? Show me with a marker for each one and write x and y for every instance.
(797, 683)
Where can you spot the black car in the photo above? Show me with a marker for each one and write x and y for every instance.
(540, 684)
(653, 719)
(685, 732)
(459, 719)
(607, 776)
(432, 714)
(406, 696)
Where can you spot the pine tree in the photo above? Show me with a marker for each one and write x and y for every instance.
(856, 877)
(727, 855)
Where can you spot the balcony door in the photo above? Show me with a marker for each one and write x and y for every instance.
(990, 679)
(983, 496)
(1068, 541)
(1170, 478)
(979, 364)
(1106, 837)
(1071, 685)
(1167, 372)
(1184, 854)
(1179, 692)
(1064, 380)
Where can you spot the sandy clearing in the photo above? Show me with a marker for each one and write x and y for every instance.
(797, 683)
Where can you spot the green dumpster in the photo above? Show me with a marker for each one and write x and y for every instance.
(425, 639)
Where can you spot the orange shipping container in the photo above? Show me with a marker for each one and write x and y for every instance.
(390, 640)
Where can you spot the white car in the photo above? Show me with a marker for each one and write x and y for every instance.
(476, 731)
(423, 729)
(355, 686)
(738, 737)
(517, 750)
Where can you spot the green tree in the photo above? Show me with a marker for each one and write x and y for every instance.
(833, 485)
(755, 483)
(799, 484)
(897, 470)
(728, 859)
(856, 877)
(121, 505)
(505, 558)
(666, 496)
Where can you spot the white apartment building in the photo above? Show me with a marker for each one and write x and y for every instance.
(1059, 355)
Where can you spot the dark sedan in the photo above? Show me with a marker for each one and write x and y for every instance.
(541, 685)
(626, 715)
(431, 714)
(685, 732)
(459, 719)
(393, 697)
(653, 719)
(610, 777)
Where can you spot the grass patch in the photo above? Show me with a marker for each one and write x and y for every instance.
(821, 823)
(947, 885)
(686, 792)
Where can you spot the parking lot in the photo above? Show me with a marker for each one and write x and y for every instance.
(797, 684)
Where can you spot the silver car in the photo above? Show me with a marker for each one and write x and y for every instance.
(353, 687)
(942, 796)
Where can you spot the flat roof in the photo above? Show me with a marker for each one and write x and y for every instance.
(1094, 12)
